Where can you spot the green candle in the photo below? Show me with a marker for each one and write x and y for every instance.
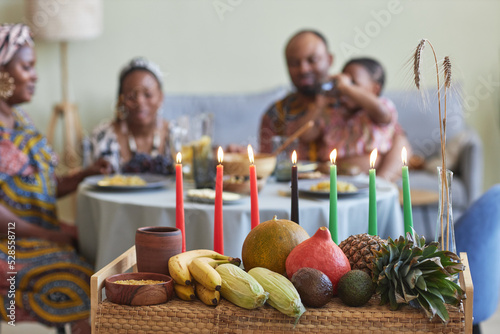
(372, 199)
(406, 195)
(333, 198)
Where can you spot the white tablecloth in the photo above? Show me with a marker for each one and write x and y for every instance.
(107, 221)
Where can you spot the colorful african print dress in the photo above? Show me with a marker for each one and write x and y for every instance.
(104, 144)
(276, 119)
(353, 136)
(46, 282)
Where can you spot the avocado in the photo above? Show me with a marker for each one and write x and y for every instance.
(314, 287)
(355, 288)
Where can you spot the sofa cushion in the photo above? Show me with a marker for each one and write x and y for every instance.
(418, 115)
(236, 116)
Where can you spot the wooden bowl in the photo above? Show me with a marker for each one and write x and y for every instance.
(240, 185)
(237, 164)
(137, 295)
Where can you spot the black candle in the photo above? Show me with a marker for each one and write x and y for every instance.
(295, 191)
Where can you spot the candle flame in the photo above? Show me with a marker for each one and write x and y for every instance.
(178, 159)
(250, 154)
(220, 155)
(373, 158)
(404, 156)
(333, 156)
(294, 157)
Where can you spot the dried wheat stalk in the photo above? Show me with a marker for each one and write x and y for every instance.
(447, 85)
(417, 63)
(417, 59)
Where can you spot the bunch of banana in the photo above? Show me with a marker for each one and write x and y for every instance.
(208, 297)
(185, 292)
(199, 265)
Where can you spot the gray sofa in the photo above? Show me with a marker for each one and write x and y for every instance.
(237, 119)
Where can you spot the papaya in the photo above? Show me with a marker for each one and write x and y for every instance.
(269, 243)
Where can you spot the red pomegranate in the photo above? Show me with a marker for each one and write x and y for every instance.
(319, 252)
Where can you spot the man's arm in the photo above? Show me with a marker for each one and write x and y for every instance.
(266, 133)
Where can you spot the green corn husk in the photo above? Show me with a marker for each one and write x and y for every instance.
(282, 294)
(240, 288)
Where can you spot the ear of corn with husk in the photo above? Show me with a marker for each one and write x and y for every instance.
(240, 288)
(282, 294)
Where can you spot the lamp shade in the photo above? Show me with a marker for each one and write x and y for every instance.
(64, 20)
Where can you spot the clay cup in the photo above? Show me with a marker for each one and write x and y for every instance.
(154, 245)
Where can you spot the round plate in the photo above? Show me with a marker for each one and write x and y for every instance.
(207, 196)
(306, 166)
(153, 181)
(305, 187)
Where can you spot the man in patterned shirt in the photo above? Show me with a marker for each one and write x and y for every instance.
(308, 62)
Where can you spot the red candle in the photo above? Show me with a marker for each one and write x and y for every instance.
(254, 194)
(218, 227)
(295, 191)
(179, 200)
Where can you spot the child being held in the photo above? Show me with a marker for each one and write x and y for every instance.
(362, 120)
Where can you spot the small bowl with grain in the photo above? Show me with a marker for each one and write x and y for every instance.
(139, 289)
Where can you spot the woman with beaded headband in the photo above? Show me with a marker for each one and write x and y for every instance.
(137, 140)
(42, 278)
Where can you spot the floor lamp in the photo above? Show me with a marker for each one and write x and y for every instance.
(62, 22)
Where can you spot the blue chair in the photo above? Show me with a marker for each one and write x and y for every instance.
(477, 232)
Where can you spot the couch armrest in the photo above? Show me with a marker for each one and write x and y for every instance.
(470, 165)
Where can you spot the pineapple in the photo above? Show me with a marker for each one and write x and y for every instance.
(409, 272)
(359, 250)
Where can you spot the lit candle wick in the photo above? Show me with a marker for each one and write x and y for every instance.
(373, 158)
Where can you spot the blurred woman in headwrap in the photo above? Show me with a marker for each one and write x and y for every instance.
(42, 278)
(137, 140)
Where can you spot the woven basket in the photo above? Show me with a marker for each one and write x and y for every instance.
(179, 316)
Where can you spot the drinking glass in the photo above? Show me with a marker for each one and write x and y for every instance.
(192, 136)
(283, 171)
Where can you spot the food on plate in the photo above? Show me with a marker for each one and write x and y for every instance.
(210, 194)
(310, 175)
(319, 252)
(314, 287)
(355, 288)
(138, 282)
(269, 243)
(121, 180)
(342, 187)
(359, 250)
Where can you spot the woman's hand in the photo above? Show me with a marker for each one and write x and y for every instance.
(67, 184)
(100, 166)
(60, 237)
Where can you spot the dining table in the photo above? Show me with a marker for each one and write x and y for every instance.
(107, 220)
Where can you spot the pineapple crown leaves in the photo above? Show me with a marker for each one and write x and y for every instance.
(406, 271)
